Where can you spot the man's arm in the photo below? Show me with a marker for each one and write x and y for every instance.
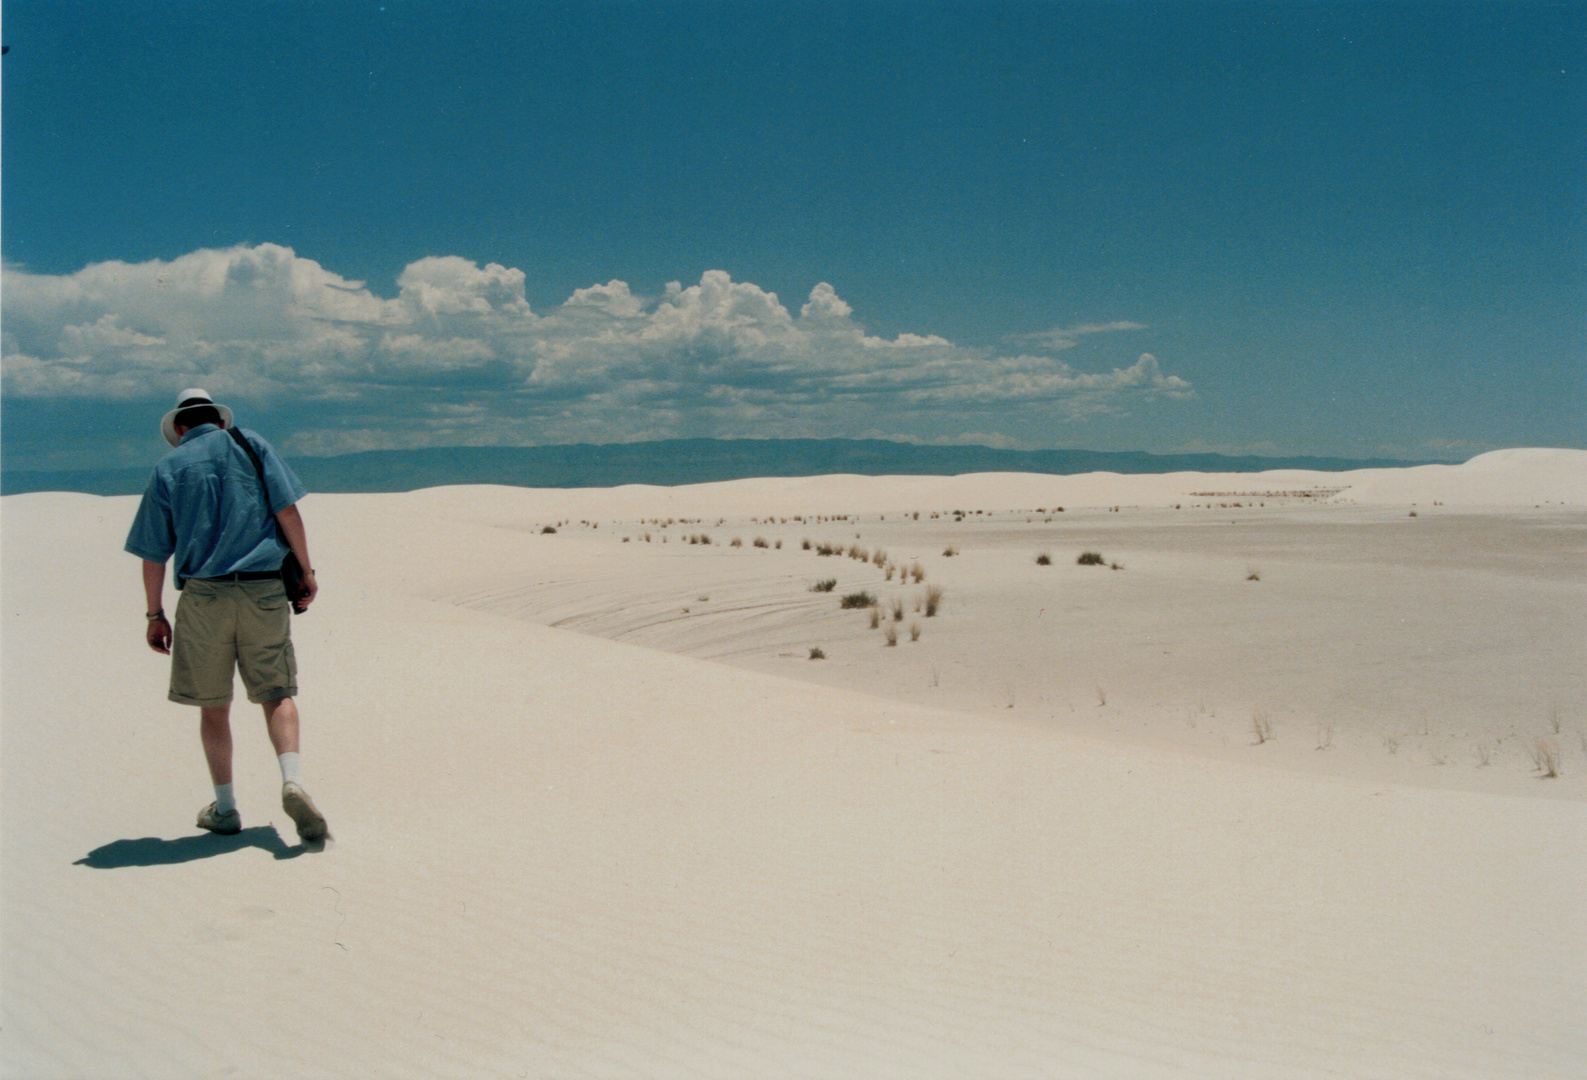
(291, 523)
(159, 632)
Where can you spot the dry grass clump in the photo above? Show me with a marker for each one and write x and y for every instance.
(1262, 727)
(879, 557)
(1044, 559)
(1253, 575)
(914, 631)
(890, 634)
(816, 653)
(1091, 558)
(950, 551)
(825, 585)
(1545, 757)
(861, 599)
(876, 618)
(917, 573)
(737, 541)
(933, 600)
(898, 610)
(761, 541)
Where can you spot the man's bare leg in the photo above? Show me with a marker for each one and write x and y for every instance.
(281, 720)
(214, 731)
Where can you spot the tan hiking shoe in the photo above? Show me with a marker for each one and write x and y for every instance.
(300, 808)
(227, 824)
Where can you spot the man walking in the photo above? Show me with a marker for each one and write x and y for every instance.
(229, 530)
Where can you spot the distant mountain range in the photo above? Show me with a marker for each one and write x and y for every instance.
(685, 461)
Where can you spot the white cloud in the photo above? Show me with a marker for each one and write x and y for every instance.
(461, 355)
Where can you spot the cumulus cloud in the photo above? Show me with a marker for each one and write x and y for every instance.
(458, 355)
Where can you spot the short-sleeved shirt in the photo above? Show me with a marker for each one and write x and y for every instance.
(204, 505)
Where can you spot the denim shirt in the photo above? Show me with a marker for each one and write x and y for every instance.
(204, 505)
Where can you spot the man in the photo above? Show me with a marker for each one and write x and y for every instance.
(229, 532)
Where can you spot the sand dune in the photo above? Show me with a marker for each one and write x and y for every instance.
(672, 845)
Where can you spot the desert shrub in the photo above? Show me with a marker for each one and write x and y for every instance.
(890, 635)
(805, 544)
(1091, 558)
(761, 541)
(861, 599)
(1254, 575)
(1262, 728)
(816, 653)
(549, 529)
(933, 600)
(1044, 559)
(1545, 755)
(876, 617)
(879, 557)
(825, 585)
(737, 541)
(950, 551)
(898, 610)
(917, 574)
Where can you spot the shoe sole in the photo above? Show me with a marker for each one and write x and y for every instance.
(300, 808)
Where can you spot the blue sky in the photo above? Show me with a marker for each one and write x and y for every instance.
(1354, 230)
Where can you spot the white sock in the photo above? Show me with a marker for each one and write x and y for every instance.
(291, 771)
(225, 801)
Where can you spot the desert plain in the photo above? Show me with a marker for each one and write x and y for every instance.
(1291, 781)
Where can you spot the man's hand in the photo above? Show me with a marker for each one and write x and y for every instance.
(159, 635)
(313, 587)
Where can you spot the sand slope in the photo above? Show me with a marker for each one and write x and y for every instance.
(563, 856)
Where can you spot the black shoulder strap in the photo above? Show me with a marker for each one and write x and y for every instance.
(253, 456)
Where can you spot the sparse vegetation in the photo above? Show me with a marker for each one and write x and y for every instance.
(950, 551)
(548, 529)
(1253, 575)
(1545, 756)
(898, 610)
(917, 573)
(861, 599)
(825, 585)
(1262, 727)
(816, 653)
(890, 634)
(876, 618)
(914, 631)
(1091, 558)
(1044, 559)
(933, 600)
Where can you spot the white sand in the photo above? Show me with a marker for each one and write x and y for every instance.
(560, 855)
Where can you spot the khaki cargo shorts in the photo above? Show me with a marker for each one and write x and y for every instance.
(221, 625)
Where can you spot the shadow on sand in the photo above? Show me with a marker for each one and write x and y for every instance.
(152, 851)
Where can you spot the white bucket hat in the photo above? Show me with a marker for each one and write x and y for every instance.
(191, 398)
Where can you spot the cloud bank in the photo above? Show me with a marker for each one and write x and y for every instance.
(458, 357)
